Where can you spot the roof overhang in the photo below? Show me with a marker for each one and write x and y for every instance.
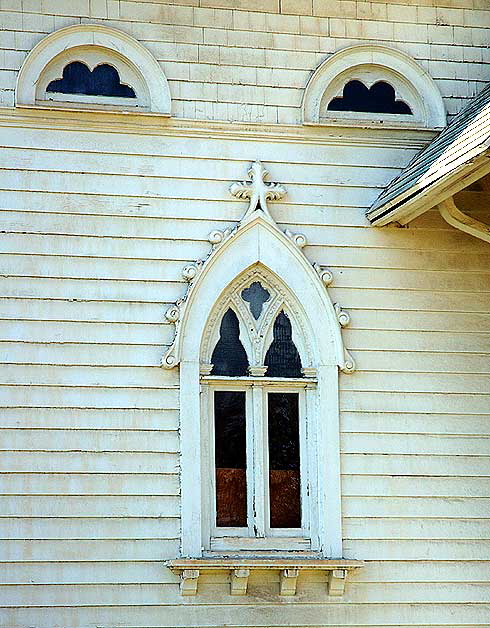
(424, 195)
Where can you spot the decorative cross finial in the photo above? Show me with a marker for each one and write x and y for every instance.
(258, 190)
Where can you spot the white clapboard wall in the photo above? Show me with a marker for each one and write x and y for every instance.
(98, 217)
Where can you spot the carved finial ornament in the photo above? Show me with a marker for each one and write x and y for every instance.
(257, 190)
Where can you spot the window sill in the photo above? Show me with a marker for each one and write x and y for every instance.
(190, 569)
(367, 123)
(67, 107)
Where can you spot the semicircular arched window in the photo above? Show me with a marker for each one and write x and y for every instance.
(370, 84)
(91, 66)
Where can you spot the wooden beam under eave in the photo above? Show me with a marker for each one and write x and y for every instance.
(458, 219)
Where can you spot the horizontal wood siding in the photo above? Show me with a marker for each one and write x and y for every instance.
(89, 450)
(97, 222)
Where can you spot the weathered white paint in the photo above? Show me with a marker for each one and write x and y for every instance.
(369, 64)
(257, 248)
(45, 61)
(100, 212)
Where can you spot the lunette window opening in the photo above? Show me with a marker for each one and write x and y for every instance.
(379, 98)
(103, 80)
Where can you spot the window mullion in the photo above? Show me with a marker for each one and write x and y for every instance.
(258, 461)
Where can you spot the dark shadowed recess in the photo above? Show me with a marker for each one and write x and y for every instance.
(230, 458)
(284, 462)
(101, 81)
(379, 98)
(229, 356)
(256, 295)
(282, 358)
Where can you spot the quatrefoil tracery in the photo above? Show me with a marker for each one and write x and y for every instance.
(256, 334)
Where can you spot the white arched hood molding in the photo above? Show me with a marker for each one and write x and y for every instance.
(257, 240)
(93, 36)
(379, 63)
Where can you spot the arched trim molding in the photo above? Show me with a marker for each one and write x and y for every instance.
(93, 44)
(370, 64)
(256, 335)
(257, 242)
(256, 248)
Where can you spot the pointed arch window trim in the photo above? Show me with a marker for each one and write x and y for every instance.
(257, 244)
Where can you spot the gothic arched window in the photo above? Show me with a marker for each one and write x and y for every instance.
(255, 393)
(259, 347)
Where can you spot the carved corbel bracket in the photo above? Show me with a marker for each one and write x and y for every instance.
(336, 582)
(287, 583)
(188, 581)
(190, 569)
(239, 581)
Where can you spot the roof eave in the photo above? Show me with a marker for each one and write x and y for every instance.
(417, 200)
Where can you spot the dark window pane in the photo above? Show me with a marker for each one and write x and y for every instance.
(379, 98)
(229, 356)
(102, 81)
(256, 295)
(284, 468)
(231, 458)
(282, 357)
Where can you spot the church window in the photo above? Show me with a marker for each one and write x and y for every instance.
(372, 85)
(284, 460)
(256, 415)
(91, 66)
(230, 458)
(259, 401)
(256, 296)
(379, 98)
(103, 80)
(282, 359)
(229, 357)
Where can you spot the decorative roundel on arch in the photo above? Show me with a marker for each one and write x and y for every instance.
(374, 84)
(89, 64)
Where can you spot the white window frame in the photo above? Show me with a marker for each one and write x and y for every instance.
(257, 535)
(256, 247)
(93, 44)
(371, 63)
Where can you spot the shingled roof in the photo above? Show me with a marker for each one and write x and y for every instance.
(457, 150)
